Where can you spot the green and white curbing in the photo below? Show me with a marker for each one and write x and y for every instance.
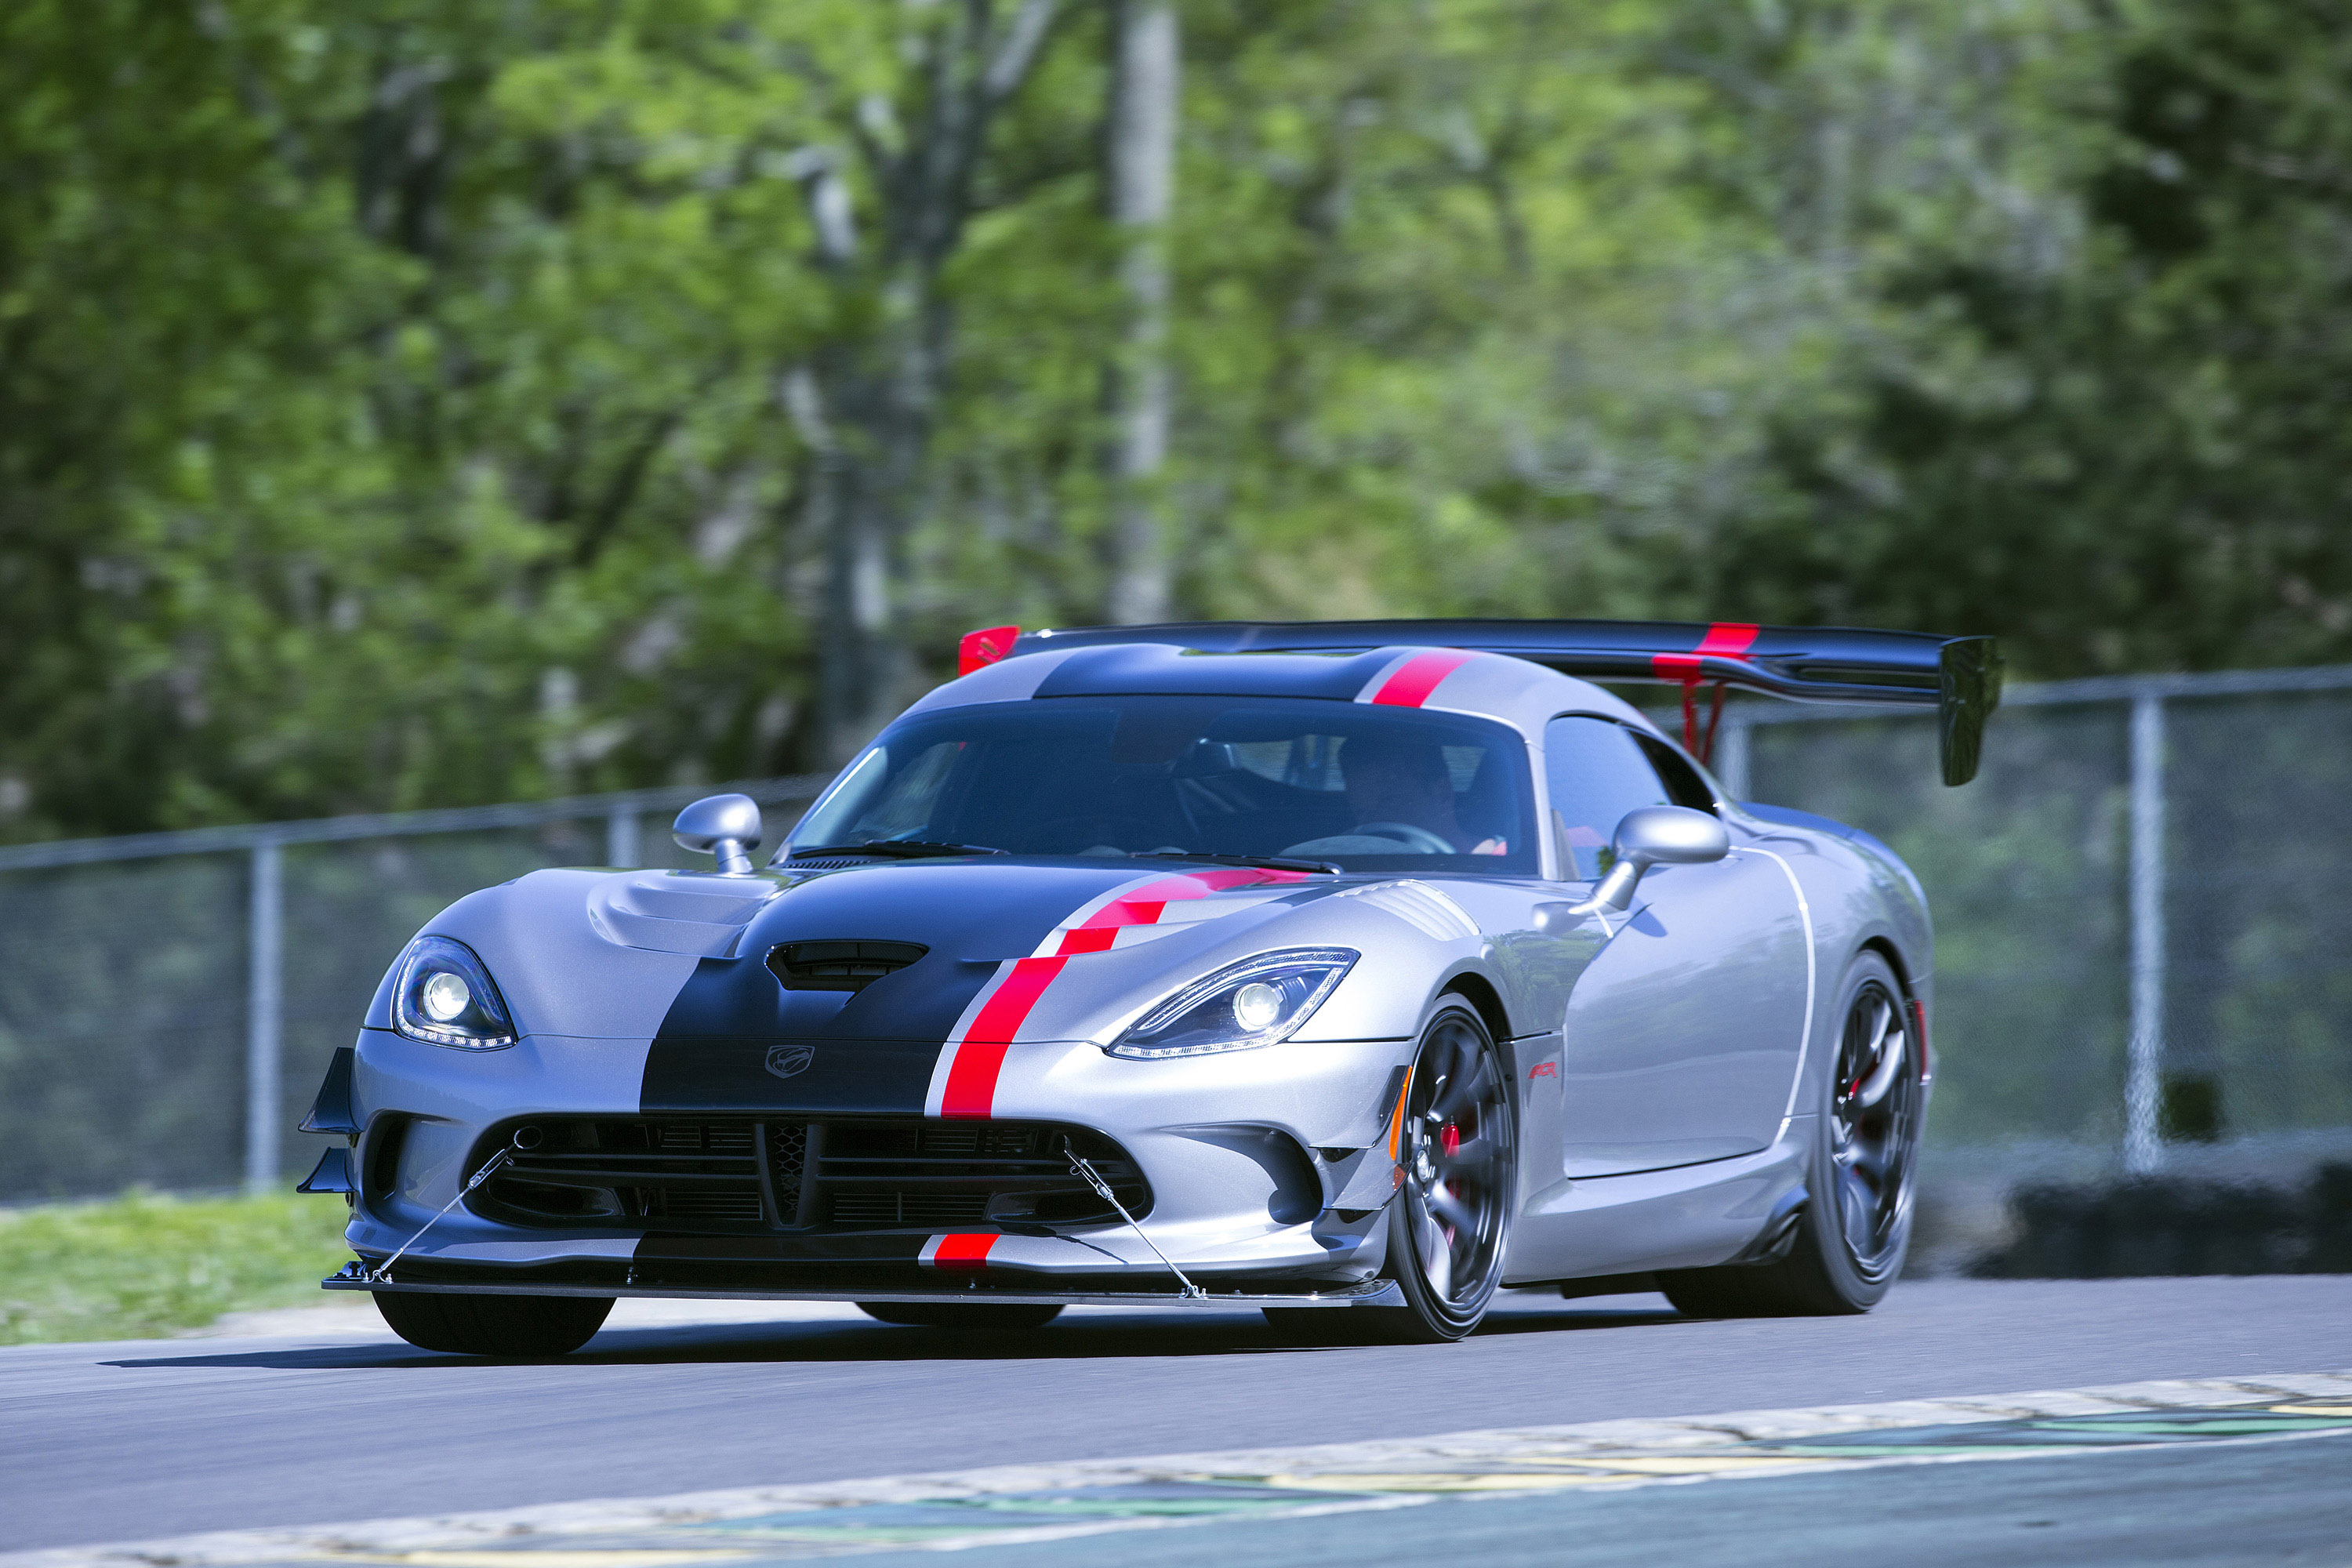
(1008, 1504)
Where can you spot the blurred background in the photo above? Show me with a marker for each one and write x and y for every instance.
(415, 406)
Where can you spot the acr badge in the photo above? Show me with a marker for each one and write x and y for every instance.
(786, 1060)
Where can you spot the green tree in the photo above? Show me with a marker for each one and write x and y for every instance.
(2100, 409)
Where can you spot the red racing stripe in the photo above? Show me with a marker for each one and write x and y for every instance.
(965, 1249)
(971, 1088)
(1409, 687)
(977, 1053)
(1147, 904)
(1724, 640)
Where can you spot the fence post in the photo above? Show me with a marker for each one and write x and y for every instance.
(621, 837)
(264, 1018)
(2143, 1146)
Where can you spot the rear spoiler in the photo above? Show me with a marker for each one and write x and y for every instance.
(1959, 677)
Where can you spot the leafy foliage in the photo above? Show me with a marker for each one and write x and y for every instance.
(419, 403)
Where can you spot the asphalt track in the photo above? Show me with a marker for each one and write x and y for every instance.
(123, 1441)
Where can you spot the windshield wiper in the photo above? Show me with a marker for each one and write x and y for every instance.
(1267, 862)
(892, 848)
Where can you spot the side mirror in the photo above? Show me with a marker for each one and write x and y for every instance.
(1655, 836)
(727, 825)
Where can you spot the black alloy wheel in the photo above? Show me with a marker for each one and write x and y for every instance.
(1457, 1162)
(513, 1327)
(1850, 1241)
(990, 1317)
(1875, 1116)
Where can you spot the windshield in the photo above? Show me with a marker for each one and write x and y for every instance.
(1367, 788)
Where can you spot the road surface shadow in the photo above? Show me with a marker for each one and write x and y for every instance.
(1078, 1338)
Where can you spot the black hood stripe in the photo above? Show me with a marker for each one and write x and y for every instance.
(927, 1035)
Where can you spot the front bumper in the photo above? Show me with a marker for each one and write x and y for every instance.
(1267, 1172)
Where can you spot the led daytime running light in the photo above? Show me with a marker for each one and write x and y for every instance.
(443, 996)
(1260, 1001)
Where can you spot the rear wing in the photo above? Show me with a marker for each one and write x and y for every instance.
(1959, 677)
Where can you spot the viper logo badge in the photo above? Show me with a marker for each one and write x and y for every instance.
(786, 1060)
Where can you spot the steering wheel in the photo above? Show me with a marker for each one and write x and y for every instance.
(1418, 840)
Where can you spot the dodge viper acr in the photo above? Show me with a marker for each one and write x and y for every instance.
(1373, 966)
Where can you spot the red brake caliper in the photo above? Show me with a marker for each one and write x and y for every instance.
(1449, 1138)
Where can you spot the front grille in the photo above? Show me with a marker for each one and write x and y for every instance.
(788, 1164)
(567, 1171)
(703, 1138)
(732, 1176)
(896, 1208)
(728, 1205)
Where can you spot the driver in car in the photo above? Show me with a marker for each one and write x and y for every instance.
(1393, 786)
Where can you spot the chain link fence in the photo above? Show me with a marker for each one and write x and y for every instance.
(169, 1003)
(2144, 943)
(2143, 936)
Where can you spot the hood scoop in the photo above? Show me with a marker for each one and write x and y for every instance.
(695, 912)
(840, 965)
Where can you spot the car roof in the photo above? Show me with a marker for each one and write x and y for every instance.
(1495, 686)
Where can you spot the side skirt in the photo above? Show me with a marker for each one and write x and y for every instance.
(1688, 1217)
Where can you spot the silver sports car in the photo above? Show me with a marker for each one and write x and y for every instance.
(1374, 966)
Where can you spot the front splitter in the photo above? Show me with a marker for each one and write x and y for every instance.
(1373, 1293)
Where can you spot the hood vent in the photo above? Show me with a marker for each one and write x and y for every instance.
(678, 911)
(840, 965)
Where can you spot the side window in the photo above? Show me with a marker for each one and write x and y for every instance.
(1683, 780)
(1596, 772)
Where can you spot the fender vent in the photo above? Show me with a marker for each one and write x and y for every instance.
(839, 966)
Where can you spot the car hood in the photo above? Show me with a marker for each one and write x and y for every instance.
(1016, 951)
(970, 917)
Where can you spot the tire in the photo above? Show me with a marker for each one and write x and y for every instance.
(518, 1327)
(1458, 1150)
(982, 1317)
(1855, 1229)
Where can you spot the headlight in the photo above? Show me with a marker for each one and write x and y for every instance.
(1257, 1002)
(445, 997)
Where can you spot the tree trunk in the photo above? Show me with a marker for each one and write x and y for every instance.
(1145, 65)
(879, 394)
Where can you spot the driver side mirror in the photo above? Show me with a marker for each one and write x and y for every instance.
(725, 825)
(1655, 836)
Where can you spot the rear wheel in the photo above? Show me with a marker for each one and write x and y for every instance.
(1457, 1152)
(1856, 1228)
(512, 1326)
(985, 1316)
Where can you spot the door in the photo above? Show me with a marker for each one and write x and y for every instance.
(1683, 1036)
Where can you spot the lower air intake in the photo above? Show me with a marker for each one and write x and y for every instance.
(737, 1176)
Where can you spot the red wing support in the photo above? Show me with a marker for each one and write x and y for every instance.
(1959, 677)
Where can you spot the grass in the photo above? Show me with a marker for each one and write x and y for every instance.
(142, 1265)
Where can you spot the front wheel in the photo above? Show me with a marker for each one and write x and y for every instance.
(517, 1327)
(998, 1317)
(1856, 1228)
(1457, 1162)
